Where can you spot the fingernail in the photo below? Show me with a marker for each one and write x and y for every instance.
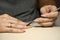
(43, 15)
(36, 20)
(22, 31)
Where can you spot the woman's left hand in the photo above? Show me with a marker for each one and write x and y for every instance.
(48, 15)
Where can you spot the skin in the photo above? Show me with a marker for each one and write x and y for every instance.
(48, 17)
(18, 26)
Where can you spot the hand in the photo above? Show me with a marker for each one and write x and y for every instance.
(48, 16)
(10, 24)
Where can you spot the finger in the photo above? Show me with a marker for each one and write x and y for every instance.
(53, 8)
(18, 26)
(17, 22)
(13, 30)
(29, 26)
(22, 26)
(25, 25)
(44, 10)
(50, 15)
(41, 20)
(47, 24)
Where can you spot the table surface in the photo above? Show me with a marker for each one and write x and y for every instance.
(34, 33)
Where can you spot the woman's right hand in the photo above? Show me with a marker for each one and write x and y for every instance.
(11, 25)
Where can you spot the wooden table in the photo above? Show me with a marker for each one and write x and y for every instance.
(34, 34)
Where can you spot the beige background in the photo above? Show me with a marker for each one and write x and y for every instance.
(34, 34)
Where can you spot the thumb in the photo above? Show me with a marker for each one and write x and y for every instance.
(45, 9)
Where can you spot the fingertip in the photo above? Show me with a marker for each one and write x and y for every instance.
(29, 27)
(43, 15)
(14, 30)
(36, 20)
(23, 30)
